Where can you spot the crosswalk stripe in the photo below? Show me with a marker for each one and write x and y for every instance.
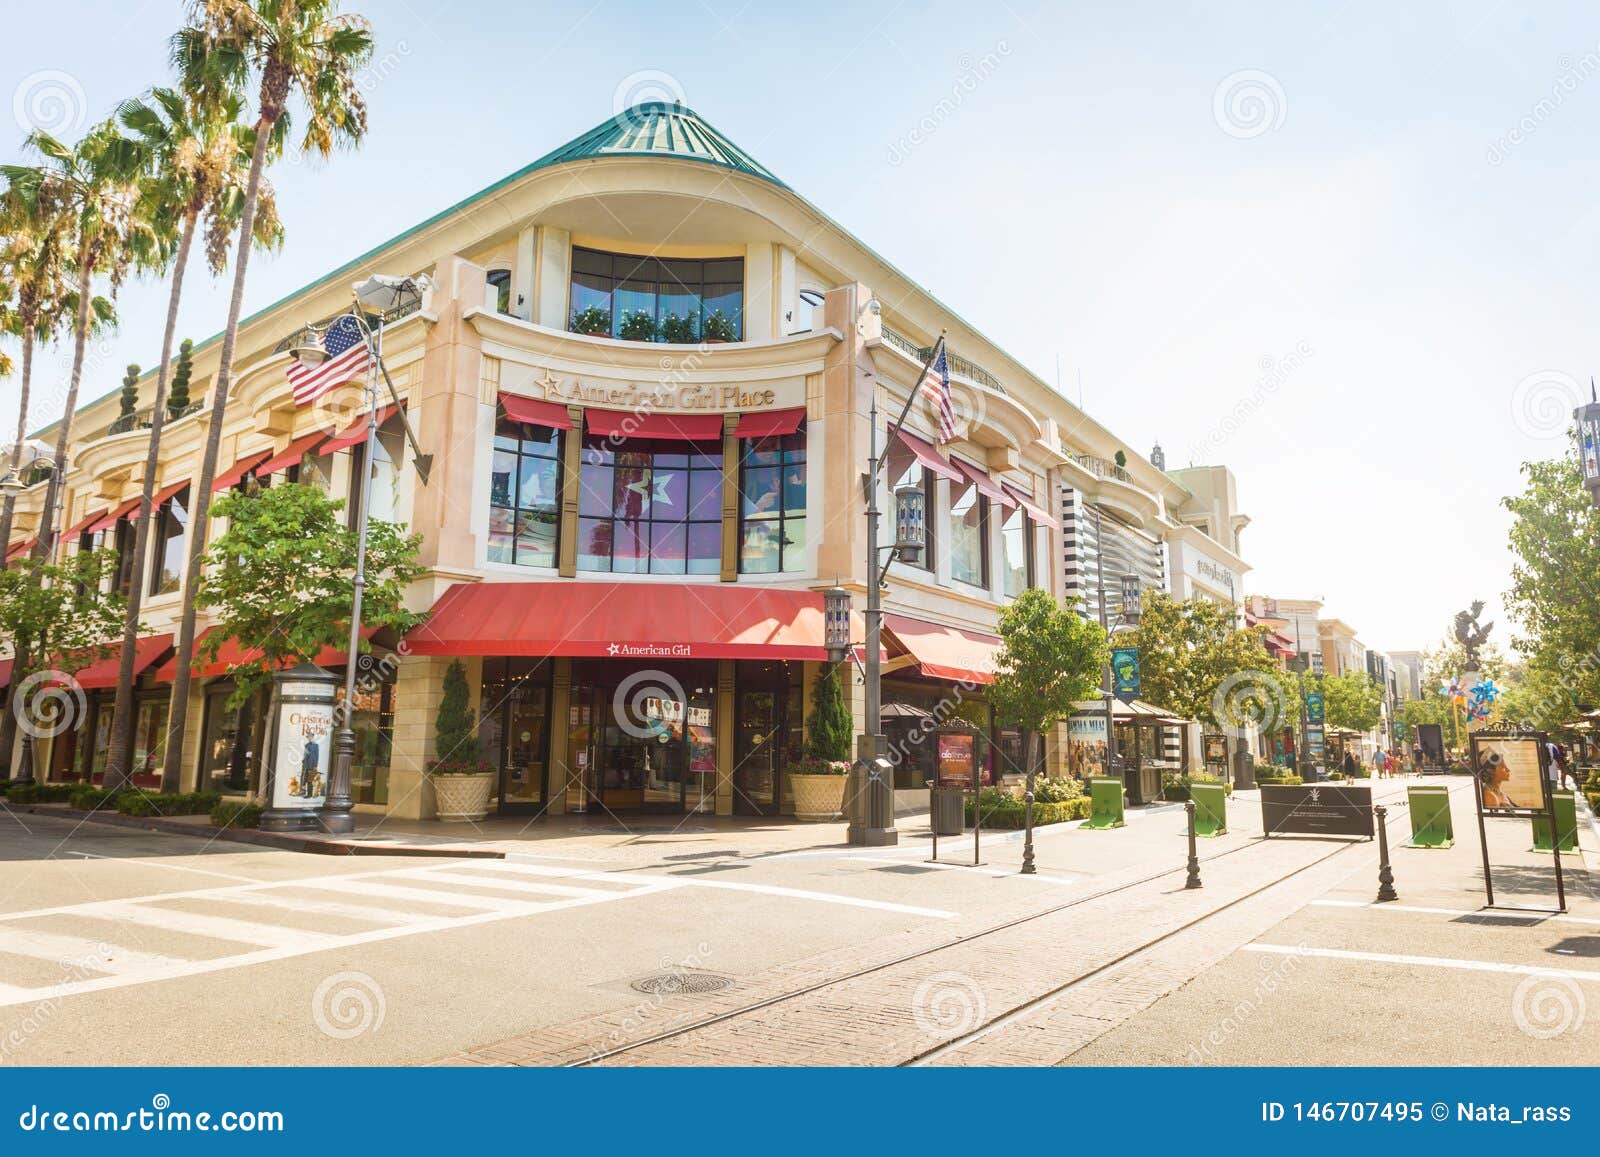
(77, 952)
(545, 888)
(215, 927)
(433, 896)
(324, 907)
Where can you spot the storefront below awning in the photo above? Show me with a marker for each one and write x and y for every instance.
(623, 620)
(233, 654)
(672, 427)
(1138, 711)
(945, 652)
(102, 673)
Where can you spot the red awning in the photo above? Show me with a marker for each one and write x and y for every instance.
(102, 673)
(945, 652)
(986, 485)
(536, 413)
(355, 432)
(18, 549)
(82, 524)
(5, 671)
(114, 517)
(928, 456)
(290, 455)
(770, 423)
(233, 654)
(675, 427)
(1035, 511)
(623, 620)
(163, 494)
(240, 468)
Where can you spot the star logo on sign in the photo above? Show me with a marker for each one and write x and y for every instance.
(612, 648)
(654, 488)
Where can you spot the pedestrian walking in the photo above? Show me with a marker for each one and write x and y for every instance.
(1416, 757)
(1379, 764)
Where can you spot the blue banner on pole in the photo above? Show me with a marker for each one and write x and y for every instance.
(1125, 673)
(1314, 707)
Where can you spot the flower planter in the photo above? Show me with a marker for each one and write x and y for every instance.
(818, 797)
(462, 797)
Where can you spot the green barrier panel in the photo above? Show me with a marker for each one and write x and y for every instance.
(1430, 815)
(1210, 808)
(1105, 804)
(1566, 807)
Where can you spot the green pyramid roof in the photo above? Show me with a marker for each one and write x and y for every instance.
(658, 129)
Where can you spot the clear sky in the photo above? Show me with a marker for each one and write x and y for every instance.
(1344, 248)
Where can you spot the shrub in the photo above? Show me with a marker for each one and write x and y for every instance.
(1176, 787)
(720, 327)
(89, 798)
(233, 813)
(1005, 811)
(680, 330)
(26, 793)
(593, 321)
(637, 326)
(829, 726)
(810, 765)
(189, 803)
(1056, 790)
(455, 729)
(1286, 780)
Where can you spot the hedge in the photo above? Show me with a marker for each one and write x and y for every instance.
(88, 798)
(233, 813)
(40, 792)
(188, 803)
(1012, 815)
(1176, 788)
(1286, 780)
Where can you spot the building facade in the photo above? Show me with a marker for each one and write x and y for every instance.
(649, 376)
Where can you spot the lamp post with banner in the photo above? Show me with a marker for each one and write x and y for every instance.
(1587, 417)
(379, 296)
(870, 792)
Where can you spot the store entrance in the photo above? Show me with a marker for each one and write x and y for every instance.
(641, 741)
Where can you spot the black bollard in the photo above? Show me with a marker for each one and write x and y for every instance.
(1194, 857)
(1386, 890)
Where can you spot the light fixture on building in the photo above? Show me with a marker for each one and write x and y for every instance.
(1588, 419)
(383, 294)
(307, 348)
(910, 523)
(11, 484)
(836, 623)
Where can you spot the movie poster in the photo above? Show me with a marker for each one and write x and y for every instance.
(1509, 773)
(1086, 745)
(304, 745)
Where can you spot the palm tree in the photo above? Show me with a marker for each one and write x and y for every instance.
(304, 47)
(31, 261)
(197, 155)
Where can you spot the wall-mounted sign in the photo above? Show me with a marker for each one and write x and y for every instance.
(648, 396)
(1125, 673)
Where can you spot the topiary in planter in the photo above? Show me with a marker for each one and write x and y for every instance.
(593, 321)
(637, 326)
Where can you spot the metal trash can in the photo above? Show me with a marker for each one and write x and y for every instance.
(947, 813)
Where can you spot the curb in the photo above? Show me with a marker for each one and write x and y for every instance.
(283, 841)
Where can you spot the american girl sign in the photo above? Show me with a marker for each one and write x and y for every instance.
(669, 395)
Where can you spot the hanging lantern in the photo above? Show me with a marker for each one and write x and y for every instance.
(1588, 419)
(836, 623)
(910, 523)
(1131, 599)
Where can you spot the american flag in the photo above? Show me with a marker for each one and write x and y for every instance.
(348, 357)
(936, 388)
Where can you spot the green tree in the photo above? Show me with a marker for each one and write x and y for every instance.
(1431, 708)
(182, 373)
(455, 727)
(829, 726)
(1050, 658)
(1192, 656)
(195, 155)
(1352, 701)
(287, 47)
(279, 579)
(128, 403)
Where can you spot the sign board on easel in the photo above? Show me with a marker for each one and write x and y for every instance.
(1511, 779)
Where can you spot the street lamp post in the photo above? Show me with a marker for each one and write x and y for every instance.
(1587, 417)
(381, 295)
(871, 786)
(12, 485)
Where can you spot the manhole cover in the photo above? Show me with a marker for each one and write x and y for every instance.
(684, 983)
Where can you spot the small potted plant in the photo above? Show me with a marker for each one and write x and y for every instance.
(593, 321)
(720, 328)
(462, 779)
(637, 325)
(679, 330)
(819, 779)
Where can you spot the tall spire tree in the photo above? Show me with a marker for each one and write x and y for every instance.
(197, 160)
(290, 48)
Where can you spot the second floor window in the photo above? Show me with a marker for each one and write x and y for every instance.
(1016, 538)
(969, 535)
(636, 298)
(524, 494)
(169, 544)
(650, 507)
(772, 505)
